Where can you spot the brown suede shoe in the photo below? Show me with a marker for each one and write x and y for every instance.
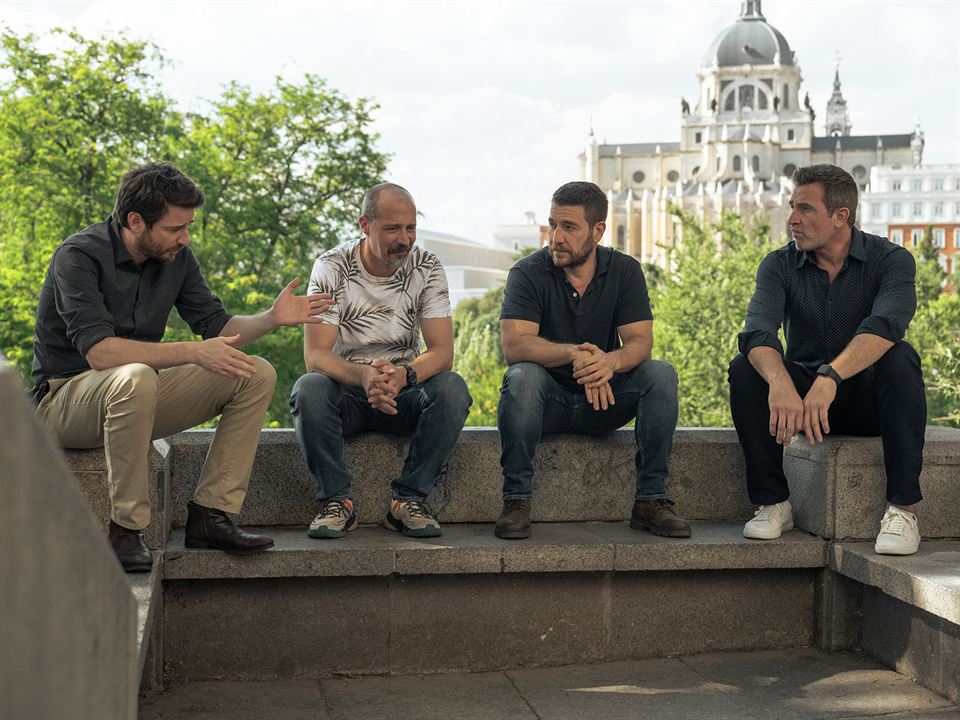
(514, 520)
(131, 550)
(658, 517)
(212, 528)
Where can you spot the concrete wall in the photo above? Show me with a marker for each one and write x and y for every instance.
(68, 636)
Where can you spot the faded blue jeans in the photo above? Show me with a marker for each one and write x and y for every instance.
(430, 413)
(533, 404)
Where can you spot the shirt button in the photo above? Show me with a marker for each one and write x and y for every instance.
(574, 294)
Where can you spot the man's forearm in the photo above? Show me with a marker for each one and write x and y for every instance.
(335, 366)
(113, 352)
(250, 328)
(632, 353)
(862, 352)
(535, 349)
(769, 363)
(432, 361)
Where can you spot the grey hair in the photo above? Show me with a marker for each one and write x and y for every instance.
(371, 198)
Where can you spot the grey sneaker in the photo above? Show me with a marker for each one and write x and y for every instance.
(412, 518)
(335, 519)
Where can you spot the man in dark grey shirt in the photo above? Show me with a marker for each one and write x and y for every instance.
(844, 298)
(104, 378)
(578, 334)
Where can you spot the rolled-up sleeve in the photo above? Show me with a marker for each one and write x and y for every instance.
(198, 306)
(766, 308)
(896, 301)
(79, 300)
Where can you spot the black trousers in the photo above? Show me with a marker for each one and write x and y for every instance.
(886, 399)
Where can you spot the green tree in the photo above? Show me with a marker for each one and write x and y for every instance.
(930, 275)
(478, 353)
(700, 305)
(283, 171)
(71, 123)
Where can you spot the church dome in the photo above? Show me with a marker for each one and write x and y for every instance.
(749, 41)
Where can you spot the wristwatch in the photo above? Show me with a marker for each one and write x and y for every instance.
(411, 374)
(826, 370)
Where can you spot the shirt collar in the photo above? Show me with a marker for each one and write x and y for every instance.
(120, 253)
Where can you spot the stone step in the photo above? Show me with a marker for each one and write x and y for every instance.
(911, 609)
(377, 602)
(577, 478)
(472, 548)
(838, 489)
(89, 467)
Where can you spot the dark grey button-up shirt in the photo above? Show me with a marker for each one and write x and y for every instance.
(538, 291)
(94, 290)
(874, 293)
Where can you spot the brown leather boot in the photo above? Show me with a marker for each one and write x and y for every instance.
(131, 550)
(658, 517)
(212, 528)
(514, 520)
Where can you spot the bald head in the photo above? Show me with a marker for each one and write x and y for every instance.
(371, 200)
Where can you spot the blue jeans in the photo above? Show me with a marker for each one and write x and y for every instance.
(533, 404)
(431, 413)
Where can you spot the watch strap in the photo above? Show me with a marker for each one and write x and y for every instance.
(826, 370)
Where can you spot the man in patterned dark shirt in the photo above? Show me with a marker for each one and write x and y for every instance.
(844, 298)
(103, 378)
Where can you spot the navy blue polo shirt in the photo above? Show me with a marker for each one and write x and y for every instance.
(538, 291)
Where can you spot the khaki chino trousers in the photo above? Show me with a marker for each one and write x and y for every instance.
(124, 408)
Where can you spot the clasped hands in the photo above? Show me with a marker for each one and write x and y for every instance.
(789, 414)
(593, 368)
(382, 381)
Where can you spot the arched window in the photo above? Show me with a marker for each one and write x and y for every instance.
(785, 97)
(761, 100)
(737, 166)
(755, 163)
(730, 103)
(746, 93)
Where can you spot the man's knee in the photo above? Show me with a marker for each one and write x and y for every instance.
(901, 358)
(660, 374)
(449, 389)
(135, 383)
(264, 374)
(741, 374)
(314, 390)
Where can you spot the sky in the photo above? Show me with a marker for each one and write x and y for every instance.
(484, 107)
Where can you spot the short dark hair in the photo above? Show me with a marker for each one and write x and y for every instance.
(839, 187)
(371, 198)
(149, 189)
(585, 194)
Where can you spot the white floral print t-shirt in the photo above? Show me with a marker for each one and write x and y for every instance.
(379, 317)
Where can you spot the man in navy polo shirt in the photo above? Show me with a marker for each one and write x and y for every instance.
(577, 334)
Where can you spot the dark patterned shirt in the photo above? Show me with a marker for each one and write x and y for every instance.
(538, 291)
(94, 290)
(874, 293)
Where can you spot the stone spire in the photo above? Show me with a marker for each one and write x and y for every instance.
(750, 10)
(837, 120)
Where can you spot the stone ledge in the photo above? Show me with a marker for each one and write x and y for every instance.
(838, 489)
(146, 589)
(473, 549)
(577, 478)
(89, 467)
(928, 580)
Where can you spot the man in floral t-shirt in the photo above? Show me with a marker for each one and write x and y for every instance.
(365, 370)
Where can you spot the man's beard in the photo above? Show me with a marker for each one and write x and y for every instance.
(575, 259)
(396, 256)
(147, 248)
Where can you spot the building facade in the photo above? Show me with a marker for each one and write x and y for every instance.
(901, 203)
(472, 268)
(750, 126)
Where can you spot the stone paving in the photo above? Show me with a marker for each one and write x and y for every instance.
(800, 684)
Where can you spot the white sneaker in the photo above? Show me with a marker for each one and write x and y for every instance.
(899, 534)
(770, 521)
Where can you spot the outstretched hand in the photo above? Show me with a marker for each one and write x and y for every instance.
(290, 309)
(219, 356)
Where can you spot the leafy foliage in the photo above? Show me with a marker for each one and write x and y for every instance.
(284, 173)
